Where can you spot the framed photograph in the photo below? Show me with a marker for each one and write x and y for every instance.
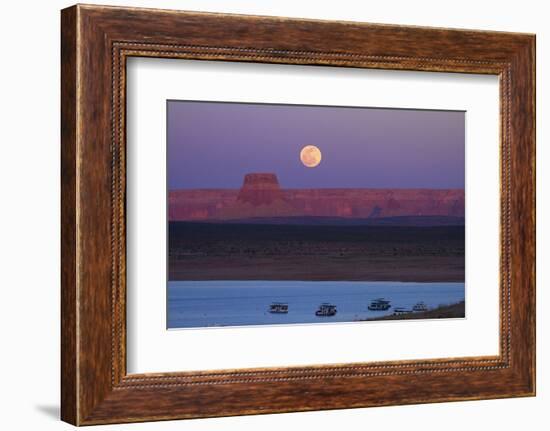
(265, 215)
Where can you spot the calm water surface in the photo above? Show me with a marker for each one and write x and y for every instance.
(194, 304)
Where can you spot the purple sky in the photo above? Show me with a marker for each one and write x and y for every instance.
(213, 145)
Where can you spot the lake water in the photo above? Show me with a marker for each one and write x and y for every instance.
(195, 304)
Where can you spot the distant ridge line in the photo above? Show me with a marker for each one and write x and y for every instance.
(422, 221)
(261, 196)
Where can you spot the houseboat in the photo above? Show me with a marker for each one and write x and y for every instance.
(326, 310)
(278, 308)
(379, 304)
(401, 310)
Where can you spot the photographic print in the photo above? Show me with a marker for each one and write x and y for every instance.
(306, 214)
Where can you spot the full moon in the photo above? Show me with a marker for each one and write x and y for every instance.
(310, 156)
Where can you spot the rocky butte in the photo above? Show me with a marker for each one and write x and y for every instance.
(260, 189)
(261, 196)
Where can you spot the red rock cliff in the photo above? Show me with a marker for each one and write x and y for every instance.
(260, 189)
(261, 196)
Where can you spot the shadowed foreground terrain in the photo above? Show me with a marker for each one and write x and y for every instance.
(256, 251)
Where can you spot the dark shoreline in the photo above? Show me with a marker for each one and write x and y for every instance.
(452, 311)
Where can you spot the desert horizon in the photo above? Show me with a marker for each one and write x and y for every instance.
(261, 196)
